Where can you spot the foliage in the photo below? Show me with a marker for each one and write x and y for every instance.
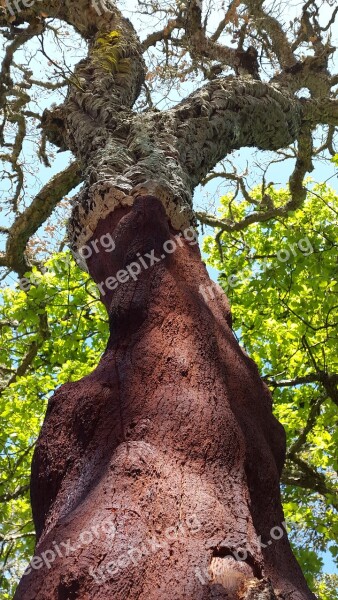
(53, 333)
(327, 589)
(284, 304)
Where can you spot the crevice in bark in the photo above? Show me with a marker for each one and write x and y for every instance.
(225, 551)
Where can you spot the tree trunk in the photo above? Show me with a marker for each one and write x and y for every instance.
(164, 462)
(153, 476)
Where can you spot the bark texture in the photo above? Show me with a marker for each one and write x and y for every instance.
(174, 429)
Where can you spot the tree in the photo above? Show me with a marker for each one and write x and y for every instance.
(169, 447)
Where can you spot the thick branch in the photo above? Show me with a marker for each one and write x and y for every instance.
(231, 113)
(177, 148)
(302, 167)
(297, 189)
(322, 111)
(279, 41)
(162, 34)
(86, 16)
(199, 45)
(36, 214)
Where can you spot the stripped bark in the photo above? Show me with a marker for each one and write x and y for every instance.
(174, 429)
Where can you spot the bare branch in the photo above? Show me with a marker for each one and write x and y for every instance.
(229, 15)
(35, 27)
(232, 177)
(279, 41)
(162, 34)
(255, 217)
(328, 143)
(311, 378)
(36, 214)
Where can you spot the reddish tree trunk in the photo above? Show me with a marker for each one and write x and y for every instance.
(174, 429)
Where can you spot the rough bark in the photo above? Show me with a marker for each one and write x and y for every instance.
(173, 429)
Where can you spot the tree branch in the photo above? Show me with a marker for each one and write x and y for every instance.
(230, 13)
(36, 214)
(303, 165)
(31, 353)
(162, 34)
(20, 491)
(307, 478)
(231, 113)
(17, 536)
(199, 44)
(311, 378)
(254, 217)
(323, 111)
(310, 423)
(265, 22)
